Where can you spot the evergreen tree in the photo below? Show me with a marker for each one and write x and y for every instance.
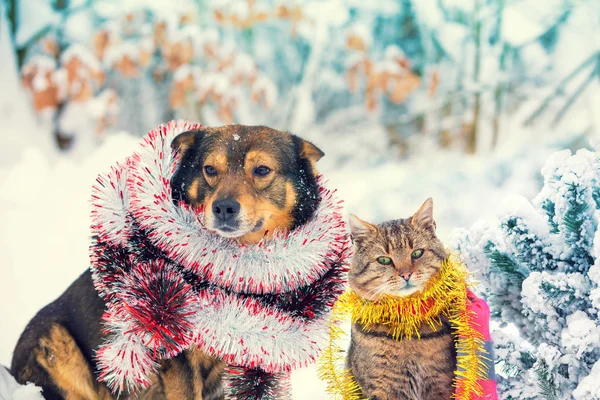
(540, 266)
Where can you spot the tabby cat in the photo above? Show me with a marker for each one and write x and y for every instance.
(398, 258)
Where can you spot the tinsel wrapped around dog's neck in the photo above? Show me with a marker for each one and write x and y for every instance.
(169, 283)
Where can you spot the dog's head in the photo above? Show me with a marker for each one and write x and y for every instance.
(252, 180)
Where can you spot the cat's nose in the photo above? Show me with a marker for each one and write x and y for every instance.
(406, 275)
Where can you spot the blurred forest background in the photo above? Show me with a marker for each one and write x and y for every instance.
(464, 74)
(461, 100)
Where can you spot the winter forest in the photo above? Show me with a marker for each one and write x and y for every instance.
(491, 107)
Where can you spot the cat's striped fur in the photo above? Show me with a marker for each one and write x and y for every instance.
(385, 368)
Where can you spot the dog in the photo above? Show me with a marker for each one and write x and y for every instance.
(251, 181)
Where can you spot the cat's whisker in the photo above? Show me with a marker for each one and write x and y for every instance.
(372, 292)
(381, 289)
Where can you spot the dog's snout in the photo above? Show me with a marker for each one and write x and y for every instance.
(226, 210)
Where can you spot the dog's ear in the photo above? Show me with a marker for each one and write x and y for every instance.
(187, 147)
(185, 140)
(309, 152)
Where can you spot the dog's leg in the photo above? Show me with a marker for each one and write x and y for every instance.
(62, 359)
(208, 374)
(191, 375)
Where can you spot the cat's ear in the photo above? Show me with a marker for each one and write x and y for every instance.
(360, 228)
(423, 218)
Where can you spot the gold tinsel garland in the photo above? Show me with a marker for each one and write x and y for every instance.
(443, 296)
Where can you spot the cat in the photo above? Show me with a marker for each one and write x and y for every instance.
(398, 258)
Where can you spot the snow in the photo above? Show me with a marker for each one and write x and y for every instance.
(61, 246)
(182, 73)
(594, 272)
(244, 65)
(363, 32)
(40, 83)
(386, 7)
(428, 12)
(11, 390)
(581, 334)
(42, 63)
(528, 215)
(79, 25)
(103, 105)
(210, 36)
(462, 5)
(452, 37)
(240, 9)
(18, 123)
(589, 387)
(34, 16)
(118, 51)
(331, 12)
(533, 297)
(264, 85)
(81, 53)
(529, 19)
(521, 29)
(394, 52)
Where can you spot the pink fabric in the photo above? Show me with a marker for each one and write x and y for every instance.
(489, 390)
(482, 314)
(482, 324)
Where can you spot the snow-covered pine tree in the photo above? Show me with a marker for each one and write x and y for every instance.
(539, 264)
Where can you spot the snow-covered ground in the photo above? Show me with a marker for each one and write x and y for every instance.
(11, 390)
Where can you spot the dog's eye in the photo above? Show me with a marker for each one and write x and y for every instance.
(261, 171)
(417, 254)
(210, 170)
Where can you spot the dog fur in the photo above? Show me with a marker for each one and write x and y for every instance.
(57, 348)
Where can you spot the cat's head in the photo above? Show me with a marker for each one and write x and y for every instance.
(396, 257)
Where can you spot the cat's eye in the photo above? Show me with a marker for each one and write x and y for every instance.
(384, 260)
(210, 170)
(417, 254)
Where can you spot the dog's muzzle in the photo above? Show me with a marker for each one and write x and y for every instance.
(226, 213)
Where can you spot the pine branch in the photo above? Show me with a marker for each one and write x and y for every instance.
(550, 208)
(546, 381)
(506, 264)
(573, 218)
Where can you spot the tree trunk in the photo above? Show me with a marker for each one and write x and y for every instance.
(499, 92)
(472, 134)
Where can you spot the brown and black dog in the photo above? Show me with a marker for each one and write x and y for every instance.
(252, 180)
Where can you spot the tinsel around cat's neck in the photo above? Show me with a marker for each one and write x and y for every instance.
(405, 315)
(444, 297)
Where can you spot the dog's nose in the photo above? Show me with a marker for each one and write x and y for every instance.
(406, 275)
(226, 210)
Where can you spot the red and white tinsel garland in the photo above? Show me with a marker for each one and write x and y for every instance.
(169, 283)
